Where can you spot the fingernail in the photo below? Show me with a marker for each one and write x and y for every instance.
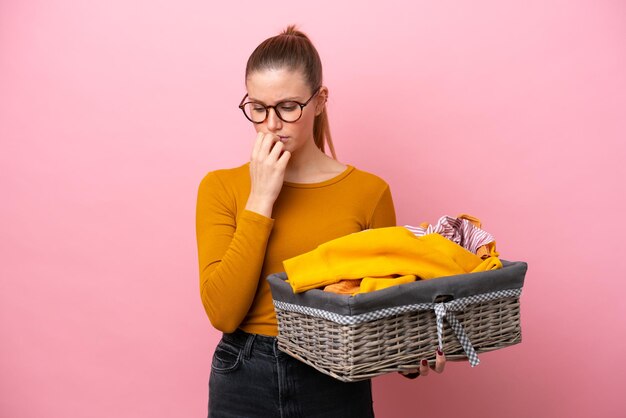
(424, 362)
(439, 352)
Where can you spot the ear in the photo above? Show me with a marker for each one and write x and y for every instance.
(320, 100)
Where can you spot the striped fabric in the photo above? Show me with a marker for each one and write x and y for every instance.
(460, 231)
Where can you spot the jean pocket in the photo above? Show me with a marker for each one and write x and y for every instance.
(226, 358)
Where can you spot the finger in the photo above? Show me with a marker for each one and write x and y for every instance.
(440, 361)
(266, 144)
(283, 160)
(424, 367)
(257, 146)
(277, 150)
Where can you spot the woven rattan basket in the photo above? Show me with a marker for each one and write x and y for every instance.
(358, 337)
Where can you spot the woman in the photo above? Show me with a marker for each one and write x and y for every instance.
(289, 198)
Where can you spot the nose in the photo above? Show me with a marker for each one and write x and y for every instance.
(273, 121)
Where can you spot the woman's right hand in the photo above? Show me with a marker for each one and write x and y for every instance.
(440, 364)
(267, 171)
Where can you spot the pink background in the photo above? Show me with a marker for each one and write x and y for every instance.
(111, 113)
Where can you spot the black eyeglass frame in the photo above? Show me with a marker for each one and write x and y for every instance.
(267, 108)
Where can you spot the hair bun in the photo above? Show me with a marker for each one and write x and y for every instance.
(293, 31)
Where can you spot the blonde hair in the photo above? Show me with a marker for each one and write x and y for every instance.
(293, 50)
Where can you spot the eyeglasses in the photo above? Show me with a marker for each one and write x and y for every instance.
(288, 111)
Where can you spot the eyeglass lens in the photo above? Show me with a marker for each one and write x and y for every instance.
(287, 111)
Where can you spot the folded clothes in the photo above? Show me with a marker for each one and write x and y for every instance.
(344, 287)
(382, 252)
(368, 284)
(465, 231)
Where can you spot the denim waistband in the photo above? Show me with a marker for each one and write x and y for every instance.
(263, 343)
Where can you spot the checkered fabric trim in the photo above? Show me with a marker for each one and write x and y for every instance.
(442, 310)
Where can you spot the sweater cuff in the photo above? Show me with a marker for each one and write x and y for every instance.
(305, 271)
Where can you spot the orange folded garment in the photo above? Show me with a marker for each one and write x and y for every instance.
(344, 287)
(368, 284)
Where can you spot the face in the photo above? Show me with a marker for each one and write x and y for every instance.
(270, 87)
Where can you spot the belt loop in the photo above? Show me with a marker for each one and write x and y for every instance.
(248, 346)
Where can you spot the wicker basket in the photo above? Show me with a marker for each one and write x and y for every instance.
(358, 337)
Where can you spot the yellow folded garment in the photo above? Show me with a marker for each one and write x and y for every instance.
(491, 263)
(381, 252)
(367, 284)
(370, 284)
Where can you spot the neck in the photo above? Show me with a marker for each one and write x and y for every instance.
(307, 159)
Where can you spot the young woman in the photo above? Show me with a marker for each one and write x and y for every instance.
(289, 198)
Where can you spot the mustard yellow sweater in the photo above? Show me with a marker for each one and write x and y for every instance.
(382, 252)
(238, 248)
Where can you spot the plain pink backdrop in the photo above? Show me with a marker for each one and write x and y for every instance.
(111, 113)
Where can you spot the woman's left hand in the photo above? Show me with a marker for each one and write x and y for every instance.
(440, 364)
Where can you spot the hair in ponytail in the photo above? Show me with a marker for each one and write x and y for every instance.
(294, 50)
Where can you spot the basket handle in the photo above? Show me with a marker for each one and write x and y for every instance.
(443, 298)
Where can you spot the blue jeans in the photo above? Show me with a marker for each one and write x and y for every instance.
(250, 377)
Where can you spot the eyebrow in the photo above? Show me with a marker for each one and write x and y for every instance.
(280, 101)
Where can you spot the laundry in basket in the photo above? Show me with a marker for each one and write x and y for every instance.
(358, 337)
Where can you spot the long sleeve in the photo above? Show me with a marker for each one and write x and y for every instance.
(238, 249)
(384, 213)
(231, 251)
